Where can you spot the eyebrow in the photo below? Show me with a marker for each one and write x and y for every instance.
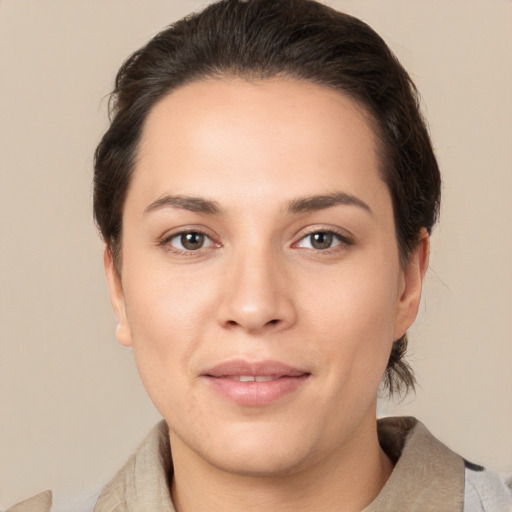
(300, 205)
(193, 204)
(321, 202)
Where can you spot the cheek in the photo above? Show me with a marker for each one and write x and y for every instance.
(166, 303)
(354, 313)
(167, 316)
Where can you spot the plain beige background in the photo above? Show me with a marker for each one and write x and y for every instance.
(71, 405)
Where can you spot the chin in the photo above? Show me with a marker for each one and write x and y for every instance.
(262, 461)
(252, 449)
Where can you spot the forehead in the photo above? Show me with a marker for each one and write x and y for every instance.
(217, 135)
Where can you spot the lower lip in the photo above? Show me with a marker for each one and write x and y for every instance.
(256, 393)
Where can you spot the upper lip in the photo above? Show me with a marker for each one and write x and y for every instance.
(238, 367)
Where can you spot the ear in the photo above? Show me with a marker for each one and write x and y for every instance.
(412, 276)
(115, 288)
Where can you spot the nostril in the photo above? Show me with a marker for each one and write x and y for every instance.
(270, 322)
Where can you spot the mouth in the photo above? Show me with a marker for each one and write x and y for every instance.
(255, 384)
(252, 378)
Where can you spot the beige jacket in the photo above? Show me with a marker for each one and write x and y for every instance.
(428, 477)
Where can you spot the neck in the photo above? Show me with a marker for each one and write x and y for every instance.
(346, 480)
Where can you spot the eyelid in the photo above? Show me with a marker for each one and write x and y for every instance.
(165, 239)
(345, 239)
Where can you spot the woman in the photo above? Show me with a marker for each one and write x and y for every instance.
(266, 192)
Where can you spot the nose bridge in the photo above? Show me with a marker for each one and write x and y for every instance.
(255, 297)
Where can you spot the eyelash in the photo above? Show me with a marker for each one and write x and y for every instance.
(166, 242)
(343, 241)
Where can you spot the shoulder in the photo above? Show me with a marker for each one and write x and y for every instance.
(133, 487)
(40, 503)
(486, 491)
(428, 476)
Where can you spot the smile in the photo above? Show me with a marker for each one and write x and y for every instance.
(254, 384)
(253, 378)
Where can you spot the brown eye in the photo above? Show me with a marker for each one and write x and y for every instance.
(189, 241)
(192, 241)
(321, 240)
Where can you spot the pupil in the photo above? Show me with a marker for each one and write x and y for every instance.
(321, 240)
(192, 240)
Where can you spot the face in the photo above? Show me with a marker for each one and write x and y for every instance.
(261, 288)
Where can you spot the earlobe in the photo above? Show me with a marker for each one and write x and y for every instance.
(115, 287)
(413, 275)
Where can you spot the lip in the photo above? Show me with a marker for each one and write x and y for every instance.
(287, 379)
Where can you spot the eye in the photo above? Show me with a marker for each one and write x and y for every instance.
(189, 241)
(322, 240)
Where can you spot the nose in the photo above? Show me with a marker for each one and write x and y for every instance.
(256, 294)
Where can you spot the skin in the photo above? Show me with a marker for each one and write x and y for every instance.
(260, 289)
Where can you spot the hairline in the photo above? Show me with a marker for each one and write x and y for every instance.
(255, 76)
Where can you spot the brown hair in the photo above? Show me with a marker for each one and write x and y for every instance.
(258, 39)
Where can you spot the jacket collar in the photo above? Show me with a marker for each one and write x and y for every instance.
(428, 477)
(144, 482)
